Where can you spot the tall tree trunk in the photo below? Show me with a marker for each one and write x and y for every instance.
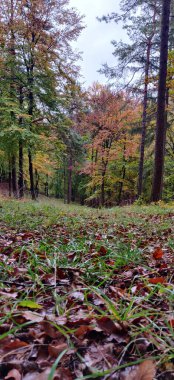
(21, 175)
(30, 112)
(12, 80)
(145, 103)
(144, 119)
(69, 195)
(161, 105)
(30, 79)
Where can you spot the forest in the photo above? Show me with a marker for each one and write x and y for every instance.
(86, 194)
(97, 146)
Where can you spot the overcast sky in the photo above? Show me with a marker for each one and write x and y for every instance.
(95, 39)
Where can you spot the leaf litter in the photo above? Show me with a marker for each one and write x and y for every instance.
(91, 295)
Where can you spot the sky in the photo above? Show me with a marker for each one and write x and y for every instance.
(95, 39)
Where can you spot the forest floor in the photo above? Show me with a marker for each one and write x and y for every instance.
(86, 294)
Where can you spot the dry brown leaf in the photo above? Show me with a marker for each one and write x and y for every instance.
(50, 330)
(15, 344)
(14, 374)
(108, 326)
(55, 350)
(82, 330)
(145, 371)
(31, 316)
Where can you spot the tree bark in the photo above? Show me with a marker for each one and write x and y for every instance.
(14, 177)
(32, 191)
(161, 106)
(145, 104)
(144, 120)
(103, 189)
(69, 195)
(64, 181)
(12, 54)
(30, 112)
(9, 178)
(21, 175)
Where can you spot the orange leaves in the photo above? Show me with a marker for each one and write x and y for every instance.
(158, 254)
(108, 123)
(157, 280)
(171, 322)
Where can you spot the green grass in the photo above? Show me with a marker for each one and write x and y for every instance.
(71, 258)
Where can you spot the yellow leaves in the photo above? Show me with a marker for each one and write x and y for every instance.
(44, 164)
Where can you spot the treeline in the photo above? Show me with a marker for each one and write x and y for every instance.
(38, 75)
(95, 146)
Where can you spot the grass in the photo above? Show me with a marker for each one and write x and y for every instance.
(81, 265)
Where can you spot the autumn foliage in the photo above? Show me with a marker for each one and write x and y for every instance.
(107, 127)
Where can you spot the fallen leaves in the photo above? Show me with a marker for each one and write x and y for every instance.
(29, 304)
(88, 293)
(55, 349)
(14, 374)
(15, 344)
(158, 254)
(108, 326)
(30, 316)
(157, 280)
(145, 371)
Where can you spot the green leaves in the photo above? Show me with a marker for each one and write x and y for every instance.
(30, 304)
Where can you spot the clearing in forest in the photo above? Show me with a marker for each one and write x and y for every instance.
(86, 293)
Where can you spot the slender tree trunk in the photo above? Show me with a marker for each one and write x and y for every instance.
(64, 181)
(104, 166)
(31, 175)
(103, 189)
(161, 106)
(69, 197)
(21, 175)
(123, 173)
(14, 177)
(21, 178)
(145, 104)
(12, 81)
(30, 112)
(30, 75)
(121, 184)
(36, 183)
(9, 178)
(46, 187)
(144, 119)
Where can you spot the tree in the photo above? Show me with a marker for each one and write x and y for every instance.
(161, 105)
(137, 59)
(34, 80)
(107, 121)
